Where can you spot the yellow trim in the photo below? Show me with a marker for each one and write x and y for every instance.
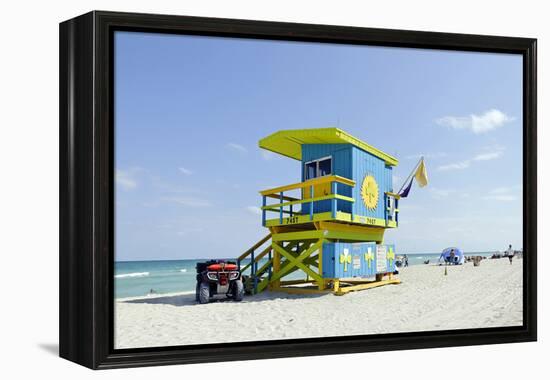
(276, 206)
(298, 219)
(345, 217)
(340, 216)
(364, 285)
(370, 234)
(332, 226)
(298, 236)
(309, 182)
(394, 195)
(289, 142)
(339, 287)
(336, 231)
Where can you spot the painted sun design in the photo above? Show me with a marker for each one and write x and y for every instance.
(369, 192)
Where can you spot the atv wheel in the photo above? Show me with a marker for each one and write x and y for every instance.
(238, 290)
(197, 291)
(204, 292)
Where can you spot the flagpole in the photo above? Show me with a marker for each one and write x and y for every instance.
(411, 174)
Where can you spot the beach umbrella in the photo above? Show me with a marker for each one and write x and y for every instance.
(459, 254)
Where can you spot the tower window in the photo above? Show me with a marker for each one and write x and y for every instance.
(318, 168)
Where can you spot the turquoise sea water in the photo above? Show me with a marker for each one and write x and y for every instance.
(138, 278)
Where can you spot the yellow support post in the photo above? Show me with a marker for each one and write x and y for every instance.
(276, 267)
(320, 266)
(336, 286)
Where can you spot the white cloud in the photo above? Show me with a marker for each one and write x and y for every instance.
(185, 170)
(254, 210)
(188, 201)
(454, 166)
(488, 156)
(496, 152)
(236, 148)
(125, 179)
(486, 122)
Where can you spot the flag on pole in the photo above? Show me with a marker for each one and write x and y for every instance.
(421, 176)
(406, 190)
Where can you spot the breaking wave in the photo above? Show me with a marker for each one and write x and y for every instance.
(136, 274)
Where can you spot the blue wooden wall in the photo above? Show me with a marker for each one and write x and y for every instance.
(359, 265)
(350, 162)
(341, 166)
(365, 163)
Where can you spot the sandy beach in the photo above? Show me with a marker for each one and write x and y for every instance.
(468, 297)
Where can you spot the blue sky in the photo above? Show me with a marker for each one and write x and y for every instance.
(189, 112)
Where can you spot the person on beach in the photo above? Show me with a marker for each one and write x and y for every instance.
(405, 260)
(452, 256)
(510, 253)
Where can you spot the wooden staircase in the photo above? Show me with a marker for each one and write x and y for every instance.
(256, 277)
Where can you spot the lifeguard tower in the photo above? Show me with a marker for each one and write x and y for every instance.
(330, 226)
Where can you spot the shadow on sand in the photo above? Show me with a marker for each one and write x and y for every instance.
(189, 299)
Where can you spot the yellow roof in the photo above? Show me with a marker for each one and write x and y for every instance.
(289, 142)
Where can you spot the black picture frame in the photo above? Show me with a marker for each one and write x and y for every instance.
(87, 188)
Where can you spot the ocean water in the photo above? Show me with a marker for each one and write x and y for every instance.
(138, 278)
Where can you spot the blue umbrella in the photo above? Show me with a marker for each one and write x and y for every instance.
(458, 255)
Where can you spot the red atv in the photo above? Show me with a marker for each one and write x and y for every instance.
(215, 277)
